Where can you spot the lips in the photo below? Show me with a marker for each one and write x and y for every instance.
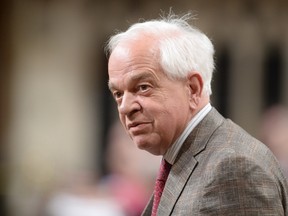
(137, 127)
(135, 124)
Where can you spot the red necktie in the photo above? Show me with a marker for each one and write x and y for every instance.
(160, 183)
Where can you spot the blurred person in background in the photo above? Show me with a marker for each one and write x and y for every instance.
(159, 74)
(81, 195)
(274, 133)
(124, 191)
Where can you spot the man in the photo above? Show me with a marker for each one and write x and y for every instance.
(159, 74)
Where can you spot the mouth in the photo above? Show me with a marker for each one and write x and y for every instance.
(137, 126)
(134, 124)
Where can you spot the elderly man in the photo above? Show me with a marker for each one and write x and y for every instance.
(159, 74)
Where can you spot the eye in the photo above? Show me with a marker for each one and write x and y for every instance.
(117, 94)
(143, 87)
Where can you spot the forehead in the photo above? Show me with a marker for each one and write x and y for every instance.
(140, 49)
(135, 60)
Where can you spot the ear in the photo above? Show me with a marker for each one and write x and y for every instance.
(195, 85)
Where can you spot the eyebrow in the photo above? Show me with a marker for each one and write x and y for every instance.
(134, 78)
(141, 76)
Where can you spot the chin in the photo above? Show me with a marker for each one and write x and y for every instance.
(144, 143)
(149, 149)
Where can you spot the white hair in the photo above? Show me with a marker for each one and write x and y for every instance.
(182, 48)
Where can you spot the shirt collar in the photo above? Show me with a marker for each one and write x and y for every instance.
(172, 152)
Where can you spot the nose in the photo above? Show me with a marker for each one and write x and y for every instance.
(129, 104)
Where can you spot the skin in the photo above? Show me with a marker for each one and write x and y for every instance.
(153, 108)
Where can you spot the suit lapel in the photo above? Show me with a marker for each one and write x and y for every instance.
(148, 209)
(175, 185)
(185, 163)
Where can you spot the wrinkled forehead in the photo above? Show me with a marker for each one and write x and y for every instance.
(139, 43)
(136, 50)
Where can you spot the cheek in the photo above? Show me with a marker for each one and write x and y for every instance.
(165, 121)
(177, 115)
(122, 120)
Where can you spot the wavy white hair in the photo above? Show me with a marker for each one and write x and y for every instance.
(182, 47)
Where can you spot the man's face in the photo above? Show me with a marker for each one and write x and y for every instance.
(153, 109)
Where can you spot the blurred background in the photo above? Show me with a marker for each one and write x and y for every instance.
(62, 152)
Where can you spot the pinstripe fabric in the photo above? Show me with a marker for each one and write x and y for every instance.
(222, 170)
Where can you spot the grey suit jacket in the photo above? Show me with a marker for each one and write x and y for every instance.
(222, 170)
